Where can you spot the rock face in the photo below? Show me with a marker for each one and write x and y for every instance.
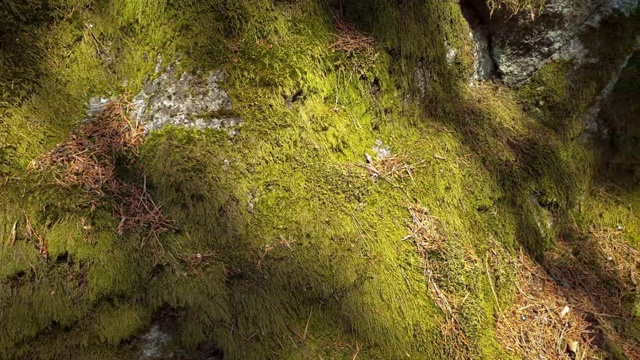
(617, 121)
(159, 342)
(484, 65)
(153, 343)
(522, 43)
(189, 100)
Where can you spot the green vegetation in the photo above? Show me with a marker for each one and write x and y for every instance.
(515, 6)
(287, 247)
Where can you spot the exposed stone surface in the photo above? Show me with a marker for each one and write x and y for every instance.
(95, 105)
(421, 78)
(451, 53)
(159, 343)
(484, 66)
(615, 121)
(153, 343)
(522, 43)
(593, 123)
(189, 100)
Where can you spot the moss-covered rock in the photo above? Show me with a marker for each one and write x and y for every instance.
(287, 241)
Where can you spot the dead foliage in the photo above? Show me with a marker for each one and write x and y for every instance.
(597, 269)
(91, 157)
(566, 308)
(136, 209)
(32, 233)
(390, 167)
(349, 39)
(534, 7)
(88, 156)
(537, 325)
(428, 239)
(13, 234)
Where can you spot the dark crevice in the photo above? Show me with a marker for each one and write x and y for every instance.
(477, 15)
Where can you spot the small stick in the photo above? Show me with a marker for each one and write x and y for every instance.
(304, 335)
(493, 290)
(12, 236)
(357, 351)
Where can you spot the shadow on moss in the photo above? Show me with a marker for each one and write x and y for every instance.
(288, 248)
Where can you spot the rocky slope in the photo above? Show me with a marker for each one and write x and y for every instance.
(264, 179)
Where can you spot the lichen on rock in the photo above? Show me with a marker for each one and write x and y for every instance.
(524, 42)
(184, 99)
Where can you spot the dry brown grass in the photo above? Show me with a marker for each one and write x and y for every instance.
(428, 238)
(90, 158)
(534, 7)
(589, 276)
(537, 325)
(572, 306)
(391, 167)
(349, 39)
(34, 235)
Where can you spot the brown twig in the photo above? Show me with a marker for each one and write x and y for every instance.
(33, 234)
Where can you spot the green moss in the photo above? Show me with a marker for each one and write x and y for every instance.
(515, 6)
(614, 352)
(287, 247)
(555, 96)
(117, 323)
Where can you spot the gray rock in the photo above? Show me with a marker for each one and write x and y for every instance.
(95, 105)
(593, 124)
(160, 342)
(421, 78)
(452, 53)
(154, 343)
(484, 66)
(523, 43)
(189, 100)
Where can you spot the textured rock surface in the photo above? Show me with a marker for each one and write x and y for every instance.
(484, 66)
(190, 100)
(522, 43)
(593, 122)
(616, 120)
(159, 342)
(153, 343)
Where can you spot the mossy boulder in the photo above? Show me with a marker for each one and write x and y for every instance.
(313, 202)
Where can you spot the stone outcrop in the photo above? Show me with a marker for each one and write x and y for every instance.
(521, 43)
(184, 99)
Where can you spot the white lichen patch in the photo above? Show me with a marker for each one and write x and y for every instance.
(451, 53)
(153, 343)
(381, 150)
(187, 99)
